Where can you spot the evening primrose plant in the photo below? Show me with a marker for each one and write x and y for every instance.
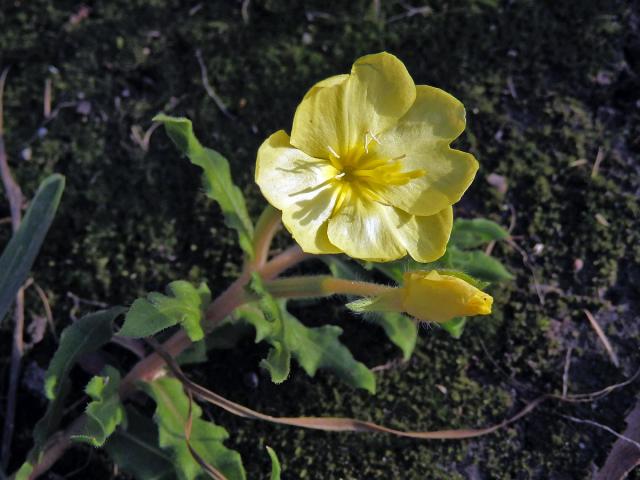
(365, 183)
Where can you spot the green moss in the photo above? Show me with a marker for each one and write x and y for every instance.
(531, 77)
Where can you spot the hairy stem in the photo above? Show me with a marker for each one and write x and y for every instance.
(322, 286)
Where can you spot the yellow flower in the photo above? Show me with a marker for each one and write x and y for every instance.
(430, 296)
(368, 170)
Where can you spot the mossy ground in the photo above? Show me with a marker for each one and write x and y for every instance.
(546, 85)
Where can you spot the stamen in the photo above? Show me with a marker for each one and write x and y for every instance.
(333, 152)
(368, 136)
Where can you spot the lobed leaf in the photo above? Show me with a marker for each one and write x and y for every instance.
(171, 417)
(21, 251)
(105, 412)
(85, 335)
(184, 304)
(475, 233)
(313, 348)
(217, 177)
(136, 450)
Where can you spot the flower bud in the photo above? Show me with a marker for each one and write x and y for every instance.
(431, 296)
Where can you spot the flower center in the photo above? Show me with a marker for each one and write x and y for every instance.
(364, 173)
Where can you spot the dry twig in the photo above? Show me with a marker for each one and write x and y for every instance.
(209, 89)
(603, 427)
(565, 375)
(603, 338)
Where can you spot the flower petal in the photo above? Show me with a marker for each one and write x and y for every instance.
(423, 136)
(360, 229)
(306, 220)
(378, 93)
(327, 82)
(337, 116)
(425, 238)
(283, 172)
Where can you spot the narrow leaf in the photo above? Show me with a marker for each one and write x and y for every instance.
(85, 335)
(184, 304)
(24, 473)
(217, 177)
(105, 412)
(136, 450)
(476, 232)
(19, 255)
(171, 416)
(275, 464)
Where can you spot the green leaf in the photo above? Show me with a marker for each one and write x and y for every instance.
(25, 471)
(275, 464)
(171, 416)
(455, 326)
(184, 304)
(476, 232)
(313, 348)
(21, 251)
(217, 177)
(400, 329)
(85, 335)
(478, 264)
(105, 412)
(136, 450)
(341, 268)
(268, 304)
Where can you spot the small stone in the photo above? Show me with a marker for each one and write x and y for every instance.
(498, 182)
(601, 220)
(84, 107)
(26, 153)
(251, 380)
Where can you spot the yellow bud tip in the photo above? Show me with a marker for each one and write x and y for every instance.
(480, 304)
